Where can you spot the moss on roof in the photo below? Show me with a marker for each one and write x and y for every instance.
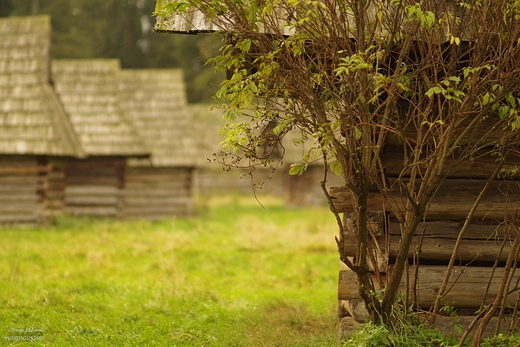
(31, 118)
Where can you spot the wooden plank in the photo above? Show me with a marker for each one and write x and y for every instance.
(156, 195)
(480, 243)
(451, 230)
(92, 190)
(441, 249)
(92, 211)
(20, 180)
(173, 201)
(468, 285)
(93, 180)
(21, 208)
(452, 201)
(97, 200)
(158, 178)
(4, 171)
(22, 197)
(481, 167)
(158, 186)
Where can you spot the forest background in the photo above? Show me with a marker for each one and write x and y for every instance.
(122, 29)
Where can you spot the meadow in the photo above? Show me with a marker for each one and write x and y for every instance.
(235, 274)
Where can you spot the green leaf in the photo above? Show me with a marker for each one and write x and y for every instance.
(297, 169)
(435, 90)
(357, 133)
(336, 168)
(503, 111)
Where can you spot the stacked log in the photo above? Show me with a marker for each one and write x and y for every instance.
(22, 181)
(94, 186)
(157, 193)
(485, 247)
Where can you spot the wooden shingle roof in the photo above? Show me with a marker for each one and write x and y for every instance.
(31, 118)
(155, 102)
(194, 21)
(88, 90)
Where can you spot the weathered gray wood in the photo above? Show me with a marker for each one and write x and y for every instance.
(468, 286)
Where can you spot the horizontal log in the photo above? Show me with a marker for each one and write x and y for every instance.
(93, 211)
(19, 180)
(158, 170)
(467, 285)
(184, 178)
(481, 167)
(158, 186)
(480, 242)
(29, 207)
(92, 200)
(156, 193)
(453, 200)
(157, 201)
(441, 249)
(449, 229)
(92, 190)
(22, 197)
(93, 180)
(19, 171)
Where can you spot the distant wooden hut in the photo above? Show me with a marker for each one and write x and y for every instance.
(212, 177)
(33, 127)
(89, 92)
(305, 189)
(161, 186)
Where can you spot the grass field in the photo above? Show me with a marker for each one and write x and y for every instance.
(236, 274)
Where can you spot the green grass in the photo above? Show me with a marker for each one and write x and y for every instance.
(236, 274)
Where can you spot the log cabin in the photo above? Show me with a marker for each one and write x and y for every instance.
(89, 93)
(34, 129)
(161, 186)
(485, 244)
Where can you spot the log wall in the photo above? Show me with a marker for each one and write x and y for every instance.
(157, 193)
(22, 184)
(94, 186)
(484, 250)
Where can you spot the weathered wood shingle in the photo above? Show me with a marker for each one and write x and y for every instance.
(194, 21)
(88, 90)
(31, 118)
(155, 102)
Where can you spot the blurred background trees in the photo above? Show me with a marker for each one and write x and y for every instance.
(123, 29)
